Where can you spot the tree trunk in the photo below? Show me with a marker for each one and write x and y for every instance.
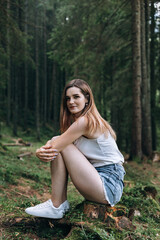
(147, 35)
(153, 79)
(45, 69)
(136, 72)
(8, 68)
(51, 99)
(15, 78)
(37, 74)
(57, 86)
(15, 108)
(146, 111)
(26, 68)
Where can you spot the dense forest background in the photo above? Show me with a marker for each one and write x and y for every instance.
(113, 45)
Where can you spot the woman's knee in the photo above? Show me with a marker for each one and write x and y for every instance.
(68, 148)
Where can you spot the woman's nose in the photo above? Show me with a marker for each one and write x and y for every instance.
(71, 100)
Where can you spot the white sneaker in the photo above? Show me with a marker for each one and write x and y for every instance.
(47, 210)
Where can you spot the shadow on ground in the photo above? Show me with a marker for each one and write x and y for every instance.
(36, 228)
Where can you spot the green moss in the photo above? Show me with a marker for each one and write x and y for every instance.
(35, 175)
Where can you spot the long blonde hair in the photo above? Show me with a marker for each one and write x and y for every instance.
(90, 111)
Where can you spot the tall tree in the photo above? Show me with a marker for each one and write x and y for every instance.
(16, 72)
(52, 91)
(16, 103)
(37, 71)
(26, 67)
(136, 61)
(152, 76)
(146, 108)
(45, 65)
(8, 66)
(147, 35)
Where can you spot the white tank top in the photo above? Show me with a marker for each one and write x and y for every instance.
(100, 151)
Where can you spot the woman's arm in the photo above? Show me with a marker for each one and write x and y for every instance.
(77, 129)
(55, 145)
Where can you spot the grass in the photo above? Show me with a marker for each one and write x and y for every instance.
(27, 182)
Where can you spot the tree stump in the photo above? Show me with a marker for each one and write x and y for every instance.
(111, 216)
(156, 156)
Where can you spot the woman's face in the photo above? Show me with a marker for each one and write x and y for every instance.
(75, 101)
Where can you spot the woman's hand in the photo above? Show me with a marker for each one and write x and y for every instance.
(46, 153)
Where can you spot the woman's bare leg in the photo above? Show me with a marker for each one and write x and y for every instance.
(83, 175)
(59, 177)
(56, 206)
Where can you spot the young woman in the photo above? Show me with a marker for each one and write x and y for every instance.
(86, 150)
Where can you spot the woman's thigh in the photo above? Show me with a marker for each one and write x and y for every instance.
(84, 176)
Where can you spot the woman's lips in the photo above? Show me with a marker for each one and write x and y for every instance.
(71, 107)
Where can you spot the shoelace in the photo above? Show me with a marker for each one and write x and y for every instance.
(48, 204)
(43, 205)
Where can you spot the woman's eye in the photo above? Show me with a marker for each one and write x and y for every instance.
(76, 97)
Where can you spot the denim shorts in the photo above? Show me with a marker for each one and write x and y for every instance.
(112, 178)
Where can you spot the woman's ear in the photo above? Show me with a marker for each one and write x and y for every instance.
(87, 98)
(86, 102)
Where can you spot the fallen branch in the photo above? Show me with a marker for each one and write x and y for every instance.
(18, 142)
(24, 154)
(24, 195)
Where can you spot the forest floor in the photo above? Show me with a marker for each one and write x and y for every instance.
(25, 181)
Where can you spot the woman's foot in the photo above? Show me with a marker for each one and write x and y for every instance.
(47, 210)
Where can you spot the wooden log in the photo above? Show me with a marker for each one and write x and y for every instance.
(17, 142)
(24, 154)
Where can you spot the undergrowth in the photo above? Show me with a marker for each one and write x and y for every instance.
(25, 182)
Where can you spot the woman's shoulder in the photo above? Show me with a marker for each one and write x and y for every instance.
(83, 121)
